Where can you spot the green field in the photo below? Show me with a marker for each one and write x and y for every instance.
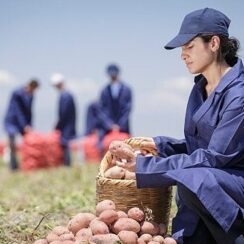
(31, 204)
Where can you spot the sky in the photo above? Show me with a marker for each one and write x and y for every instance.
(80, 38)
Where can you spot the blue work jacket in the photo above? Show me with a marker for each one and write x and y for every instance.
(18, 114)
(210, 160)
(66, 117)
(117, 110)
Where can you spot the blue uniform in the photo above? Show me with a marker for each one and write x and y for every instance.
(117, 109)
(18, 114)
(210, 160)
(66, 117)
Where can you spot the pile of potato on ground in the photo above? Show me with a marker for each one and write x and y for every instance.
(108, 226)
(122, 152)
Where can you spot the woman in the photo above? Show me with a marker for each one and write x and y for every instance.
(208, 165)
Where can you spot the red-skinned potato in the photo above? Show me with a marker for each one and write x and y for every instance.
(84, 234)
(122, 214)
(56, 242)
(151, 228)
(108, 216)
(159, 239)
(126, 224)
(136, 214)
(153, 242)
(146, 237)
(141, 241)
(98, 227)
(128, 237)
(60, 230)
(121, 150)
(104, 205)
(115, 172)
(41, 241)
(67, 242)
(80, 221)
(130, 175)
(68, 237)
(52, 237)
(169, 240)
(104, 239)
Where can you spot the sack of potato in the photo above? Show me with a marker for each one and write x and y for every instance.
(119, 185)
(108, 226)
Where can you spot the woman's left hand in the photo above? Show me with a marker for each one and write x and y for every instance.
(130, 166)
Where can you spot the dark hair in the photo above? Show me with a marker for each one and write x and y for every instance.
(34, 83)
(228, 47)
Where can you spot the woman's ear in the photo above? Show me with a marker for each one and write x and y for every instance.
(215, 43)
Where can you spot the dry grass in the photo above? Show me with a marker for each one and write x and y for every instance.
(31, 204)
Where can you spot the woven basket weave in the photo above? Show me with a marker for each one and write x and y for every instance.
(156, 202)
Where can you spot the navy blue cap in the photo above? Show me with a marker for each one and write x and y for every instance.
(112, 69)
(202, 21)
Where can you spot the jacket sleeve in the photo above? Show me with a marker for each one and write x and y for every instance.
(225, 149)
(168, 146)
(125, 110)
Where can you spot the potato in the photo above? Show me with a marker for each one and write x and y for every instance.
(121, 150)
(115, 172)
(52, 237)
(104, 239)
(104, 205)
(60, 230)
(80, 221)
(84, 234)
(67, 242)
(159, 239)
(153, 242)
(122, 214)
(56, 242)
(162, 229)
(126, 224)
(98, 227)
(169, 240)
(136, 214)
(68, 237)
(146, 237)
(108, 216)
(141, 241)
(128, 237)
(151, 228)
(130, 175)
(41, 241)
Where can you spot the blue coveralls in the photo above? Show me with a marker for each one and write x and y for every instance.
(209, 162)
(66, 122)
(17, 117)
(117, 110)
(102, 115)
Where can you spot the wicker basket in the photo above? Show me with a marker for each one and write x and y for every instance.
(156, 202)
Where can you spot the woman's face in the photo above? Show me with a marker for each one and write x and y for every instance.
(198, 55)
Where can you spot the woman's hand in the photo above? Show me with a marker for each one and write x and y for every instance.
(130, 166)
(148, 144)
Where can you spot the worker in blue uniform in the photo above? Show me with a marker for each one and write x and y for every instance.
(18, 118)
(66, 123)
(207, 166)
(116, 103)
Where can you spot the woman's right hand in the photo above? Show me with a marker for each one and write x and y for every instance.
(148, 144)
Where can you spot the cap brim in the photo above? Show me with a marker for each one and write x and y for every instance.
(179, 40)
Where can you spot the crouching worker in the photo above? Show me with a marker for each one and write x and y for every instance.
(207, 166)
(66, 115)
(18, 119)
